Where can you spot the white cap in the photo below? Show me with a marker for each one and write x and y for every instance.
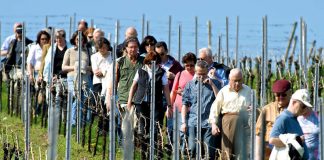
(303, 96)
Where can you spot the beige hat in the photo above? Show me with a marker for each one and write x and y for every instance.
(303, 96)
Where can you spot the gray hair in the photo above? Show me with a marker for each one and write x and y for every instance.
(202, 64)
(99, 31)
(60, 32)
(207, 51)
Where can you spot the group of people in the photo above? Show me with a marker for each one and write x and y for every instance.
(224, 104)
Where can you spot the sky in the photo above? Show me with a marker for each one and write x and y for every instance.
(280, 13)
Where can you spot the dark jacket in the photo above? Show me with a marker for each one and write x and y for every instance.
(144, 87)
(222, 66)
(11, 56)
(175, 68)
(120, 50)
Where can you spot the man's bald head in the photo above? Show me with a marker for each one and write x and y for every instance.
(236, 79)
(130, 32)
(235, 72)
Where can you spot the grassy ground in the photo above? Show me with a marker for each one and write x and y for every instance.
(12, 127)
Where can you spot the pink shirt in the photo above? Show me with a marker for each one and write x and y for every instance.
(181, 82)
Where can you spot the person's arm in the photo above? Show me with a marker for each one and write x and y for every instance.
(66, 66)
(29, 61)
(215, 111)
(166, 92)
(131, 95)
(186, 97)
(4, 52)
(95, 66)
(45, 49)
(277, 129)
(184, 111)
(175, 86)
(211, 83)
(276, 142)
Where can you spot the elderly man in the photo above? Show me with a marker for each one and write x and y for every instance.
(209, 91)
(97, 34)
(282, 93)
(130, 32)
(287, 120)
(82, 25)
(216, 70)
(231, 100)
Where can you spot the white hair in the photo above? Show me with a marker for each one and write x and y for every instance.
(207, 51)
(99, 31)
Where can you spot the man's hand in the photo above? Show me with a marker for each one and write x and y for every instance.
(129, 106)
(179, 91)
(170, 75)
(215, 129)
(169, 112)
(98, 73)
(183, 127)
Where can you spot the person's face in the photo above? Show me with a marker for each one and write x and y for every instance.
(283, 98)
(160, 50)
(149, 47)
(82, 27)
(203, 56)
(97, 36)
(103, 50)
(301, 108)
(60, 40)
(201, 73)
(190, 66)
(236, 82)
(77, 41)
(44, 40)
(132, 48)
(90, 36)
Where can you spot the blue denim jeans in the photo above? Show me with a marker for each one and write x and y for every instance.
(71, 82)
(206, 136)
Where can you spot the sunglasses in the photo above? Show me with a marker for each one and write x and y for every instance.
(282, 95)
(150, 44)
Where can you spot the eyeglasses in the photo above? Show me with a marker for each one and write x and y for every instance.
(149, 44)
(44, 39)
(282, 95)
(304, 106)
(90, 37)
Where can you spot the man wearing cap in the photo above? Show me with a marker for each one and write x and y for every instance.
(287, 120)
(282, 93)
(14, 55)
(6, 42)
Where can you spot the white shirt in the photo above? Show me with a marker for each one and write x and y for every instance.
(105, 65)
(228, 100)
(35, 56)
(6, 42)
